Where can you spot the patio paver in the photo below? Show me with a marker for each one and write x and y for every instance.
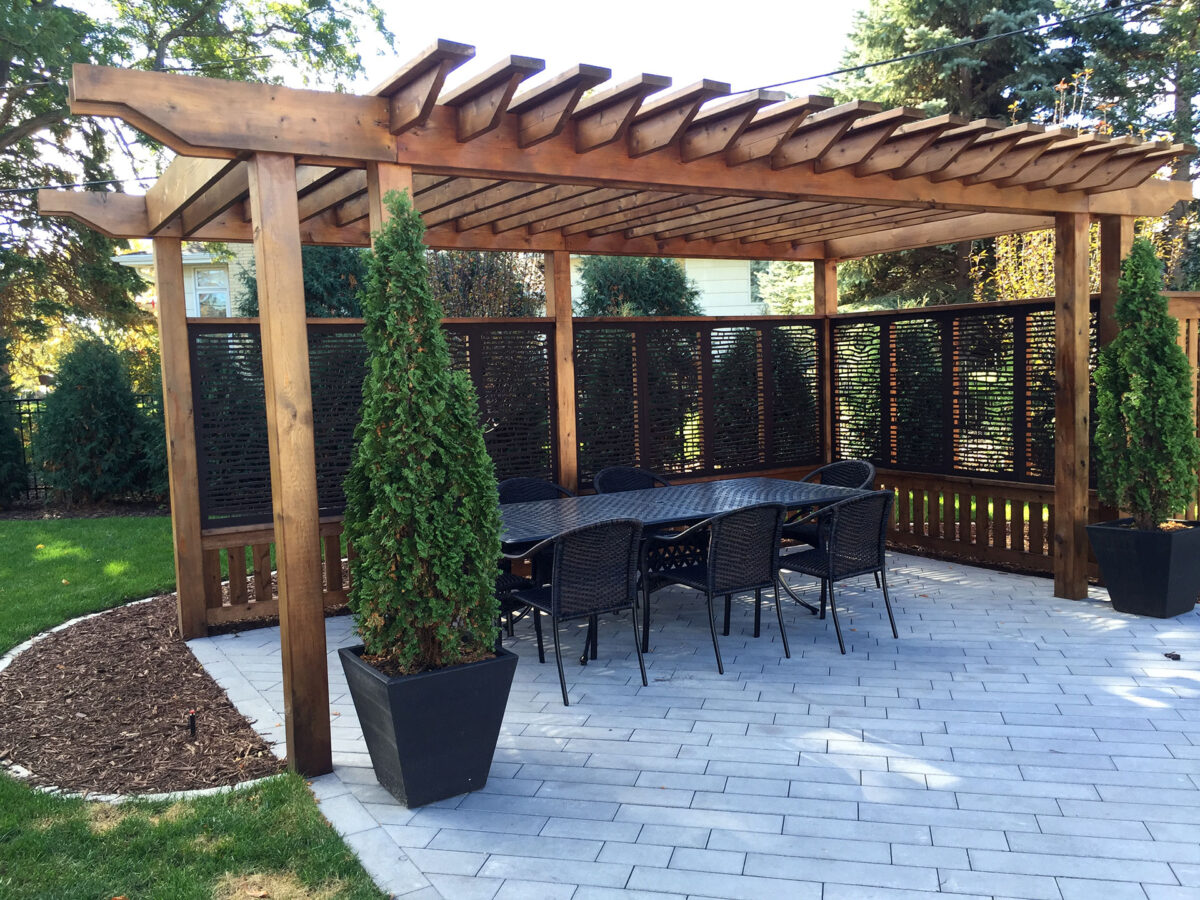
(1008, 744)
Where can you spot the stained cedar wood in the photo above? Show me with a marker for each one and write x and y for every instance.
(293, 463)
(559, 306)
(183, 477)
(1071, 405)
(825, 302)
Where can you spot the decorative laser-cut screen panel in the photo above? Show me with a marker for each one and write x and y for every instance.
(509, 364)
(605, 404)
(983, 394)
(796, 394)
(857, 387)
(671, 428)
(964, 392)
(738, 439)
(691, 398)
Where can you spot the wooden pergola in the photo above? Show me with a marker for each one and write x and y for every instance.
(575, 165)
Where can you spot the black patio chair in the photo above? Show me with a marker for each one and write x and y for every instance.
(852, 540)
(524, 490)
(594, 572)
(852, 473)
(615, 479)
(742, 554)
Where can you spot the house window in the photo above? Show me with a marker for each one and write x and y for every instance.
(212, 291)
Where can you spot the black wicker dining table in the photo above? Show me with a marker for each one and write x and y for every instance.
(682, 504)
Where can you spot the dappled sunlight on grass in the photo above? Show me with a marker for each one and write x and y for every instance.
(64, 568)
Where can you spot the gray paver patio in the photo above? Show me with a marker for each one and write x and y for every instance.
(1007, 745)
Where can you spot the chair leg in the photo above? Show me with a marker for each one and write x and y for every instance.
(587, 640)
(882, 575)
(562, 678)
(787, 587)
(836, 626)
(594, 629)
(728, 604)
(877, 579)
(537, 629)
(823, 597)
(712, 626)
(637, 645)
(757, 611)
(779, 614)
(645, 613)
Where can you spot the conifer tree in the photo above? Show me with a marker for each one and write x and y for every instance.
(422, 510)
(1147, 454)
(13, 473)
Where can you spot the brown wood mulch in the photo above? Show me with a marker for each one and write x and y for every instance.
(102, 707)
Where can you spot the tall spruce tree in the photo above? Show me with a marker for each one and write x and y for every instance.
(976, 82)
(1144, 66)
(1147, 454)
(422, 509)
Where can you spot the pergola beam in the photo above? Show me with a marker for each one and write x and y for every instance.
(968, 228)
(185, 179)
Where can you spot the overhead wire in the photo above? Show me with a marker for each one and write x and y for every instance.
(1032, 29)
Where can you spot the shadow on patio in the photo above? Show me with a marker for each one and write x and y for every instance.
(1008, 744)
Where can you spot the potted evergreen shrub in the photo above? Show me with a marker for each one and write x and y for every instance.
(1147, 454)
(430, 682)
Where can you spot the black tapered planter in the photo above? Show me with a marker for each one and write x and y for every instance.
(1148, 573)
(431, 736)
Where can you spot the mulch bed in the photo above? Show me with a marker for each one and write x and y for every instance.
(103, 707)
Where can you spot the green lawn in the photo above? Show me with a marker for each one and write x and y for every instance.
(268, 839)
(52, 570)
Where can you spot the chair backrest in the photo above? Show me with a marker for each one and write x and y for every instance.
(743, 548)
(595, 568)
(615, 479)
(853, 473)
(525, 490)
(858, 533)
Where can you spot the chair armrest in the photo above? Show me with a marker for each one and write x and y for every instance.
(527, 552)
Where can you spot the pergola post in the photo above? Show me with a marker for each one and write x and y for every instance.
(1116, 240)
(276, 222)
(382, 179)
(183, 477)
(1071, 334)
(559, 307)
(825, 301)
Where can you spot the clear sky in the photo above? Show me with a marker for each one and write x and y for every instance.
(744, 44)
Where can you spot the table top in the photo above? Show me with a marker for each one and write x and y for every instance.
(682, 504)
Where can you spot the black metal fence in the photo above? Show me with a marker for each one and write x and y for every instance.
(28, 413)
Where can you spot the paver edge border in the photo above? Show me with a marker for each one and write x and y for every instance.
(22, 774)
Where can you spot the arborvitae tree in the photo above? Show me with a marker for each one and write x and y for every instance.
(421, 505)
(88, 440)
(1147, 454)
(636, 286)
(14, 477)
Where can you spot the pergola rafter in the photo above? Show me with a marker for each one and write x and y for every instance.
(573, 165)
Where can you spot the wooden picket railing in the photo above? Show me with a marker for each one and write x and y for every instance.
(246, 554)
